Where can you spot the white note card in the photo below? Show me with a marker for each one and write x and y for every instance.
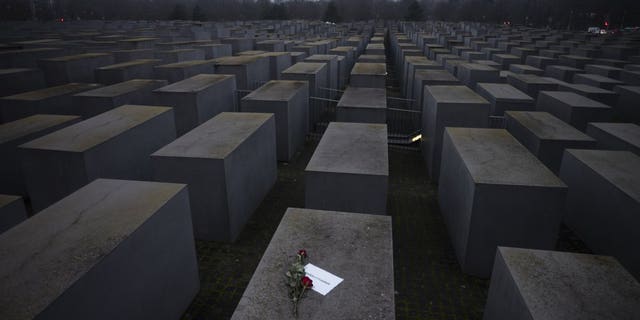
(323, 281)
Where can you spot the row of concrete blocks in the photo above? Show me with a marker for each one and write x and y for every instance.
(60, 69)
(143, 229)
(288, 100)
(233, 152)
(494, 193)
(520, 92)
(596, 83)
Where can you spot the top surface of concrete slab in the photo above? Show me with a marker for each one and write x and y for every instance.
(322, 57)
(121, 88)
(369, 68)
(183, 64)
(574, 99)
(455, 94)
(356, 247)
(277, 90)
(476, 66)
(196, 83)
(45, 255)
(545, 126)
(493, 156)
(45, 93)
(97, 130)
(629, 132)
(140, 39)
(621, 168)
(6, 199)
(504, 92)
(216, 138)
(435, 75)
(130, 64)
(355, 97)
(237, 60)
(353, 148)
(532, 78)
(16, 129)
(15, 70)
(78, 57)
(572, 286)
(419, 60)
(305, 67)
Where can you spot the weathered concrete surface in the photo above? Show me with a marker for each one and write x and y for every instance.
(537, 284)
(229, 163)
(573, 109)
(94, 102)
(616, 136)
(355, 247)
(349, 170)
(52, 100)
(363, 105)
(15, 133)
(289, 102)
(546, 136)
(115, 144)
(494, 192)
(505, 97)
(198, 99)
(115, 249)
(75, 68)
(603, 202)
(368, 75)
(448, 106)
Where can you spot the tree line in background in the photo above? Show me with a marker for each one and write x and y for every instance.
(574, 14)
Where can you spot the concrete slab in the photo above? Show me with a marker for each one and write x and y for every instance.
(428, 77)
(596, 80)
(352, 246)
(278, 62)
(174, 72)
(289, 102)
(362, 105)
(537, 284)
(572, 108)
(198, 99)
(472, 73)
(627, 107)
(448, 106)
(368, 75)
(616, 136)
(546, 136)
(15, 133)
(531, 84)
(120, 72)
(505, 97)
(229, 163)
(603, 202)
(349, 169)
(52, 100)
(115, 144)
(74, 68)
(94, 102)
(494, 192)
(61, 263)
(251, 71)
(19, 80)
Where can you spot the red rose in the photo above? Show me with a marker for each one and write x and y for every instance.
(307, 282)
(302, 253)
